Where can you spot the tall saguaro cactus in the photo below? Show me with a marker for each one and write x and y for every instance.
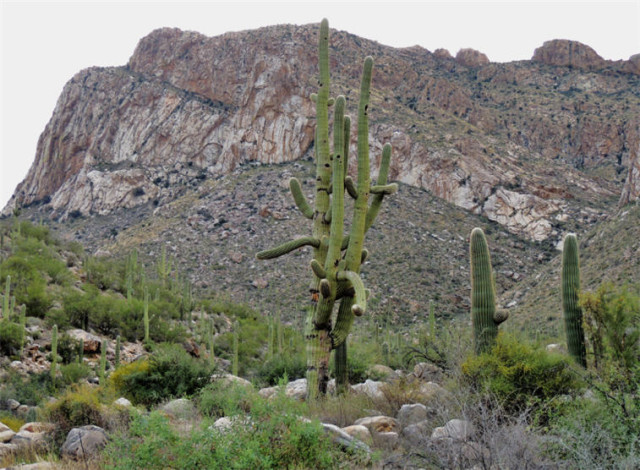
(570, 308)
(337, 257)
(484, 316)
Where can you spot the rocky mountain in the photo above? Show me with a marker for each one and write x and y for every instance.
(186, 144)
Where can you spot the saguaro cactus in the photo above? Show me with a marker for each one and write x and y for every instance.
(103, 361)
(118, 347)
(145, 315)
(54, 352)
(570, 307)
(484, 316)
(336, 274)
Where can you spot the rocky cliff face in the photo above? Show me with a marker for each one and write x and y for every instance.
(526, 144)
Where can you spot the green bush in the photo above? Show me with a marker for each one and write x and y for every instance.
(169, 373)
(221, 399)
(31, 390)
(274, 438)
(519, 375)
(74, 372)
(10, 338)
(67, 348)
(271, 371)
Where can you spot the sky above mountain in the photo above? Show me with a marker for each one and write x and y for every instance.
(45, 43)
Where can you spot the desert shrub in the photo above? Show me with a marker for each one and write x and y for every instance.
(220, 399)
(275, 437)
(519, 375)
(68, 348)
(169, 373)
(271, 371)
(30, 390)
(12, 422)
(594, 432)
(74, 372)
(10, 337)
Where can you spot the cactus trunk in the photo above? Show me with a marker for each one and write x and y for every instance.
(483, 297)
(570, 308)
(335, 275)
(54, 353)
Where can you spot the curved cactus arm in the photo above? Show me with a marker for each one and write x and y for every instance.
(299, 198)
(383, 176)
(344, 320)
(385, 190)
(318, 270)
(360, 305)
(350, 186)
(365, 255)
(288, 247)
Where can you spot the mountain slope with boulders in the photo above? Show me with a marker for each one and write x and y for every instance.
(189, 145)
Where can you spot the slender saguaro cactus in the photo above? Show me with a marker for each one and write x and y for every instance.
(118, 347)
(234, 361)
(5, 298)
(145, 315)
(103, 361)
(570, 307)
(54, 352)
(336, 271)
(484, 317)
(23, 327)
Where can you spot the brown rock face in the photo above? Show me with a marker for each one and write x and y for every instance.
(471, 58)
(568, 53)
(519, 143)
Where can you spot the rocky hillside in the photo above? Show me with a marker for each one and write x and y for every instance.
(190, 143)
(527, 144)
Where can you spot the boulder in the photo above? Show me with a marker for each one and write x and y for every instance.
(456, 429)
(359, 432)
(229, 379)
(180, 408)
(386, 440)
(5, 433)
(123, 402)
(379, 424)
(382, 372)
(371, 388)
(37, 426)
(412, 414)
(417, 434)
(92, 343)
(344, 439)
(427, 372)
(12, 404)
(83, 442)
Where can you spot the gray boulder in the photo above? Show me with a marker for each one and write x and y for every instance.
(83, 442)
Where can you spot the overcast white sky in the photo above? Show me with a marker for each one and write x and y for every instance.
(45, 43)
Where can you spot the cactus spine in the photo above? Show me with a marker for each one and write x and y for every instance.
(54, 352)
(570, 307)
(336, 274)
(484, 317)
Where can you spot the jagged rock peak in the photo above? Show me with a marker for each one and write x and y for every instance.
(565, 52)
(471, 58)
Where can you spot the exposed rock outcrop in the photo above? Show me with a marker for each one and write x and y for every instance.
(188, 108)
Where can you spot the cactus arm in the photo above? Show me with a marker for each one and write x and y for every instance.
(350, 186)
(571, 310)
(288, 247)
(347, 142)
(360, 297)
(318, 270)
(385, 190)
(360, 207)
(299, 198)
(383, 176)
